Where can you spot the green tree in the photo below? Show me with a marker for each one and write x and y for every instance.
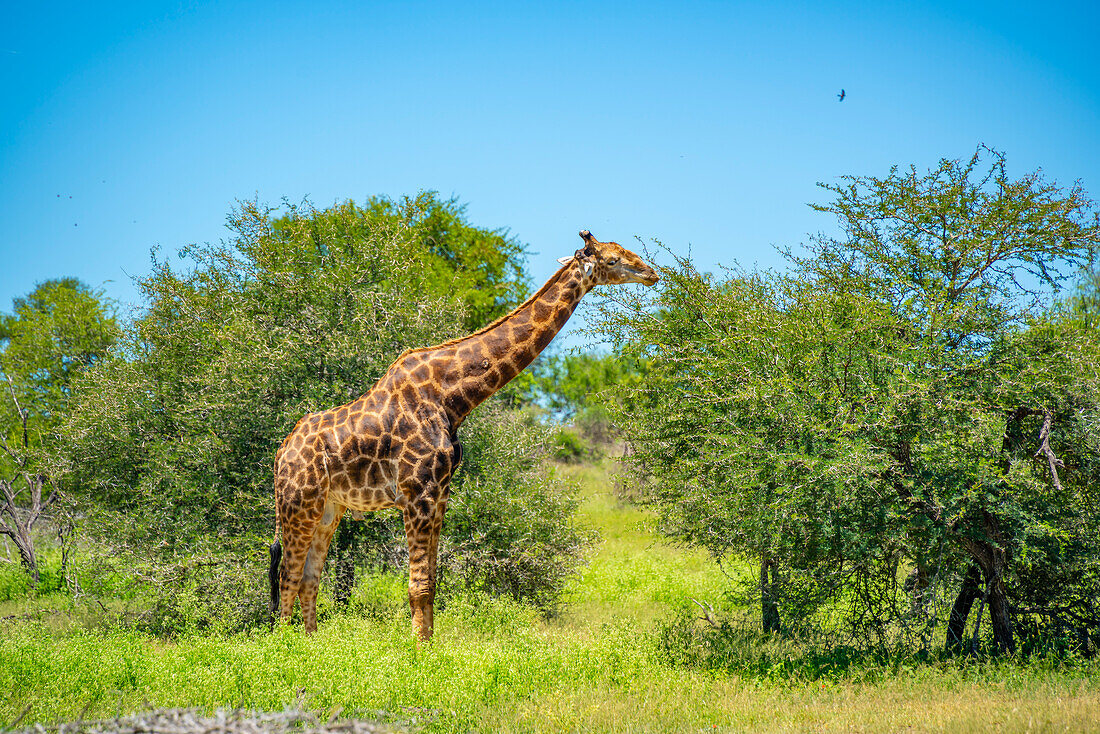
(58, 329)
(573, 389)
(484, 269)
(567, 384)
(964, 257)
(53, 332)
(876, 415)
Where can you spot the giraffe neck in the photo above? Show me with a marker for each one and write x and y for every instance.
(476, 366)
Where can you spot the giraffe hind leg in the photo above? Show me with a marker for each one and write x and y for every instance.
(315, 563)
(295, 546)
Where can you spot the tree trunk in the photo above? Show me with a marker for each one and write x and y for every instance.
(992, 554)
(1000, 616)
(960, 610)
(23, 543)
(21, 520)
(993, 561)
(769, 609)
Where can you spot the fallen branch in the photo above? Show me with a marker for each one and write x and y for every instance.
(708, 614)
(190, 721)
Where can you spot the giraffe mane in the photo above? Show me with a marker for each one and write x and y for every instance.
(450, 342)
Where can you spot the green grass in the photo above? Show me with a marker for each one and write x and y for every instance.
(495, 666)
(633, 576)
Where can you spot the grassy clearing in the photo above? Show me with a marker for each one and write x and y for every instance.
(497, 667)
(633, 576)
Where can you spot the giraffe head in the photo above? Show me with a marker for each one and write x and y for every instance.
(610, 262)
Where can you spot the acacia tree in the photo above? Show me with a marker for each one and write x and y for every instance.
(733, 429)
(58, 329)
(963, 256)
(899, 402)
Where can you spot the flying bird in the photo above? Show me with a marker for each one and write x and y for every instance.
(841, 96)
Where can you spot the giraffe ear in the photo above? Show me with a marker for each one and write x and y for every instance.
(588, 267)
(565, 260)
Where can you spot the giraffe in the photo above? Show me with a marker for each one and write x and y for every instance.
(397, 445)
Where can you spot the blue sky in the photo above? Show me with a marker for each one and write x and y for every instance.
(125, 126)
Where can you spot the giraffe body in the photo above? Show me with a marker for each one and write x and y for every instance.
(397, 445)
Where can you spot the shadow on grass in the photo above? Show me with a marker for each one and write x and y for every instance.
(683, 640)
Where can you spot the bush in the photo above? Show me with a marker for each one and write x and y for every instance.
(16, 582)
(568, 446)
(596, 426)
(510, 527)
(215, 594)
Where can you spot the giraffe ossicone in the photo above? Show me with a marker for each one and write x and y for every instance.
(397, 444)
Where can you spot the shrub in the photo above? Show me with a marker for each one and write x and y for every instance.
(15, 582)
(568, 446)
(510, 527)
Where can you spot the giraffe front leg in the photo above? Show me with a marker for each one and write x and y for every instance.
(433, 558)
(315, 563)
(423, 522)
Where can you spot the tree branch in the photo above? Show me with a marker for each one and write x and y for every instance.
(708, 614)
(22, 414)
(9, 496)
(1044, 449)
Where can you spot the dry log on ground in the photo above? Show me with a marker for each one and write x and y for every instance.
(190, 721)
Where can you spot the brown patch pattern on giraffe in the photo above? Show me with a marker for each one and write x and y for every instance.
(397, 445)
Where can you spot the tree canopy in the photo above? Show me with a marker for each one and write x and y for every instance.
(903, 406)
(59, 328)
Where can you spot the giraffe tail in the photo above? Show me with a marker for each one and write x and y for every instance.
(276, 551)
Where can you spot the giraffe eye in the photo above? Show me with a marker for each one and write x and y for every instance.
(612, 261)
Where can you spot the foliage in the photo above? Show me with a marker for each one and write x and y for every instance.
(568, 446)
(510, 527)
(574, 389)
(568, 384)
(684, 640)
(898, 407)
(58, 329)
(481, 268)
(170, 441)
(16, 582)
